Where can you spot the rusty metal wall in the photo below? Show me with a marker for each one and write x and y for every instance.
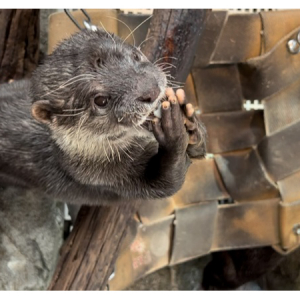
(246, 192)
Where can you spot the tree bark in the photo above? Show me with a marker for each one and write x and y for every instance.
(89, 255)
(19, 43)
(173, 38)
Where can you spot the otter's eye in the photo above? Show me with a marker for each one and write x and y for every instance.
(136, 57)
(101, 101)
(99, 62)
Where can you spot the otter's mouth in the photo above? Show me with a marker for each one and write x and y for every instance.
(156, 113)
(138, 113)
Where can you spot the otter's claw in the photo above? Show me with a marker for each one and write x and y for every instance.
(191, 121)
(178, 124)
(195, 129)
(170, 131)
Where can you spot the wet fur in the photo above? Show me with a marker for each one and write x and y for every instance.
(77, 152)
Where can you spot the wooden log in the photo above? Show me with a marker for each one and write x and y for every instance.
(173, 38)
(19, 43)
(89, 254)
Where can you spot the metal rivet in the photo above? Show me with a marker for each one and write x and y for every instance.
(298, 37)
(296, 229)
(293, 46)
(112, 275)
(89, 25)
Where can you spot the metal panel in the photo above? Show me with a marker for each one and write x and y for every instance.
(289, 188)
(290, 224)
(280, 152)
(249, 224)
(229, 39)
(218, 88)
(277, 24)
(282, 108)
(233, 130)
(61, 27)
(210, 36)
(194, 231)
(244, 176)
(152, 210)
(123, 275)
(261, 77)
(148, 252)
(240, 39)
(132, 21)
(202, 183)
(190, 92)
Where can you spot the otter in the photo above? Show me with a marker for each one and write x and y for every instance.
(78, 129)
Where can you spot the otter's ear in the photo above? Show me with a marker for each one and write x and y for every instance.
(43, 110)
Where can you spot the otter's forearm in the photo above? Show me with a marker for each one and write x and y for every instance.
(163, 177)
(75, 193)
(165, 172)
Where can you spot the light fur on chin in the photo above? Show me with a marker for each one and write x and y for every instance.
(87, 144)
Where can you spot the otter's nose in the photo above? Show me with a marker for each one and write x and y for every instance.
(149, 96)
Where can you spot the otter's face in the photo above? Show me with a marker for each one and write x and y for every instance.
(96, 82)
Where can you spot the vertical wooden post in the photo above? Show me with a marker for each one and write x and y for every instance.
(19, 43)
(175, 34)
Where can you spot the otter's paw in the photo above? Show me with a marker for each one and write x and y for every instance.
(170, 130)
(194, 127)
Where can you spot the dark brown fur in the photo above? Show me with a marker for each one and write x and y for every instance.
(80, 152)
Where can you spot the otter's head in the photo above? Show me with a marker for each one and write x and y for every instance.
(96, 83)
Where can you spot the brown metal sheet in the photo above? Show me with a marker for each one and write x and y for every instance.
(290, 224)
(282, 108)
(280, 152)
(248, 224)
(152, 210)
(267, 74)
(132, 21)
(229, 38)
(233, 130)
(190, 92)
(218, 88)
(239, 40)
(277, 24)
(289, 188)
(131, 232)
(202, 182)
(210, 36)
(244, 177)
(123, 275)
(149, 251)
(193, 231)
(61, 27)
